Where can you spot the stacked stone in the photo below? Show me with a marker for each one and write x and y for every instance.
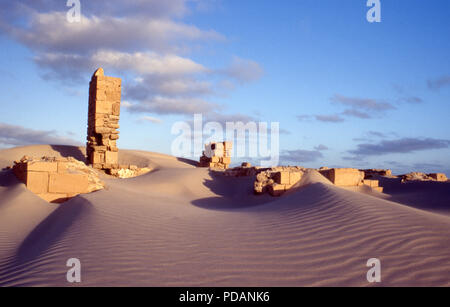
(277, 180)
(351, 177)
(103, 121)
(56, 180)
(369, 173)
(216, 155)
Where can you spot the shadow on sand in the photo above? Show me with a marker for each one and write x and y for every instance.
(188, 161)
(233, 193)
(70, 151)
(426, 195)
(51, 229)
(8, 179)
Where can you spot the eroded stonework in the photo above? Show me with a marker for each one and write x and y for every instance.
(56, 180)
(216, 155)
(103, 121)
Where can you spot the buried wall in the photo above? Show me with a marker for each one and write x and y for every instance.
(349, 177)
(56, 179)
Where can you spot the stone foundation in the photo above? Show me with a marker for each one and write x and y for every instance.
(277, 180)
(343, 177)
(418, 176)
(56, 180)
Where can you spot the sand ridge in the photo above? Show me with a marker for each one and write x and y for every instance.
(184, 226)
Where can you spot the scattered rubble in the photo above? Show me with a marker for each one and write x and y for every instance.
(128, 171)
(370, 173)
(418, 176)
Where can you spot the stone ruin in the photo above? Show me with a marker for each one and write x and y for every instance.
(56, 180)
(418, 176)
(103, 121)
(277, 180)
(59, 179)
(370, 173)
(350, 177)
(216, 155)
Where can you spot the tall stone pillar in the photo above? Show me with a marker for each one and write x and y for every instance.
(103, 121)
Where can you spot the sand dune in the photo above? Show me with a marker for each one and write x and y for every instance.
(184, 226)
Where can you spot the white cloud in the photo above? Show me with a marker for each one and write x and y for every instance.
(143, 42)
(13, 135)
(51, 32)
(150, 119)
(166, 105)
(244, 70)
(147, 63)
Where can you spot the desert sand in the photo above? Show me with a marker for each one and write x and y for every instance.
(179, 225)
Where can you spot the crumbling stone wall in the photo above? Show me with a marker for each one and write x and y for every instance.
(56, 179)
(277, 180)
(424, 177)
(369, 173)
(103, 121)
(349, 177)
(343, 176)
(216, 155)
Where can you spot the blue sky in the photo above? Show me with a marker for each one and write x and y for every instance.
(346, 92)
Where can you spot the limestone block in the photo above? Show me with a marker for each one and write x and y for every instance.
(344, 176)
(228, 145)
(282, 177)
(438, 176)
(37, 182)
(276, 189)
(116, 108)
(370, 183)
(42, 166)
(215, 159)
(100, 94)
(68, 183)
(99, 148)
(62, 167)
(98, 157)
(226, 160)
(217, 153)
(111, 157)
(103, 107)
(103, 130)
(294, 177)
